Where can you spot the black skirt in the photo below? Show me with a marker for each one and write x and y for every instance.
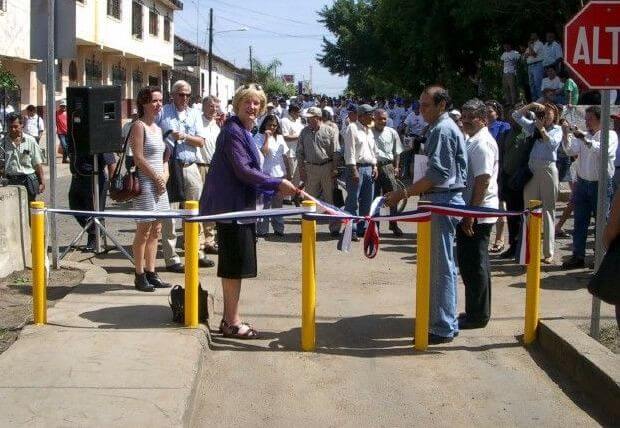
(236, 250)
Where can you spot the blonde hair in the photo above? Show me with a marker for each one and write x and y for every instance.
(246, 91)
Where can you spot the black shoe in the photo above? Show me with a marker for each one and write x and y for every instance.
(205, 262)
(573, 263)
(155, 280)
(396, 231)
(176, 268)
(91, 244)
(510, 253)
(211, 249)
(354, 238)
(334, 233)
(142, 284)
(434, 339)
(465, 324)
(278, 234)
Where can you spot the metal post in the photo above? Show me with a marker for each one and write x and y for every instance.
(423, 285)
(210, 47)
(532, 285)
(308, 281)
(95, 186)
(602, 206)
(50, 101)
(251, 65)
(37, 238)
(192, 246)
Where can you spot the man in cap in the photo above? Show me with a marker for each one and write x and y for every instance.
(361, 163)
(317, 153)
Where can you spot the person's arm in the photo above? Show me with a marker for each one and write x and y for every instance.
(481, 184)
(570, 146)
(264, 149)
(349, 152)
(528, 125)
(398, 149)
(38, 170)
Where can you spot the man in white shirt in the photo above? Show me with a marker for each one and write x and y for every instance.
(361, 163)
(586, 145)
(210, 132)
(552, 81)
(535, 71)
(472, 236)
(291, 128)
(552, 52)
(33, 126)
(510, 58)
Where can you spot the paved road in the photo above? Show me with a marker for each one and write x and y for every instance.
(364, 371)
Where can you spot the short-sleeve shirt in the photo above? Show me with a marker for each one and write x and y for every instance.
(388, 144)
(571, 86)
(551, 53)
(289, 127)
(555, 83)
(510, 61)
(210, 131)
(189, 121)
(273, 161)
(537, 48)
(483, 159)
(23, 158)
(317, 147)
(33, 125)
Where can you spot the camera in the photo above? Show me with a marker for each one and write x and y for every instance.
(540, 114)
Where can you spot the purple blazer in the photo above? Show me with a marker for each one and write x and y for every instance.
(235, 178)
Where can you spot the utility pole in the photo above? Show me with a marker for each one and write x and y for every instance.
(251, 65)
(210, 46)
(310, 83)
(50, 100)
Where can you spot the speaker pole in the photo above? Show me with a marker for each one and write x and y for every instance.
(51, 126)
(96, 206)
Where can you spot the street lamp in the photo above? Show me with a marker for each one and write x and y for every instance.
(211, 43)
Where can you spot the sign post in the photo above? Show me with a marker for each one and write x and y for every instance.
(592, 40)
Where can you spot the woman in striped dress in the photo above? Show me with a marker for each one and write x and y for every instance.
(148, 148)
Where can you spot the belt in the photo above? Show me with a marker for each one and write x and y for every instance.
(202, 164)
(532, 63)
(364, 164)
(320, 163)
(383, 163)
(185, 165)
(439, 190)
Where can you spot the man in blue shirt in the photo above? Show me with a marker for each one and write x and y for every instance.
(443, 182)
(183, 127)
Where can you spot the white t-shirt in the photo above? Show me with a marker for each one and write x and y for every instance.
(510, 61)
(537, 48)
(273, 162)
(210, 132)
(551, 53)
(482, 158)
(32, 125)
(555, 83)
(289, 127)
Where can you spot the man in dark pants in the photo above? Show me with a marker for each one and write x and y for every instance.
(81, 189)
(472, 236)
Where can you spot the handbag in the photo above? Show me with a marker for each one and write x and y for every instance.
(176, 300)
(522, 174)
(604, 283)
(125, 187)
(176, 183)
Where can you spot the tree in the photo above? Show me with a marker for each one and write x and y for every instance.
(265, 75)
(390, 47)
(7, 79)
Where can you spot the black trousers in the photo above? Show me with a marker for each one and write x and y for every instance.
(386, 182)
(514, 202)
(81, 197)
(472, 253)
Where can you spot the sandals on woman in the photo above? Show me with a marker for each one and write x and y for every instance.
(240, 331)
(497, 247)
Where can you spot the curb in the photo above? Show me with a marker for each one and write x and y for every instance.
(593, 367)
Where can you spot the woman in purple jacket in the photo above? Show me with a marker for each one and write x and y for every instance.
(233, 183)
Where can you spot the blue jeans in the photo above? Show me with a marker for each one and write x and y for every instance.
(359, 195)
(585, 197)
(262, 224)
(443, 317)
(535, 74)
(63, 144)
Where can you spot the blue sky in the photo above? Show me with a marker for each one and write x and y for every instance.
(287, 30)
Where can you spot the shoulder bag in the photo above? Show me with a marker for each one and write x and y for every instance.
(125, 187)
(605, 283)
(176, 183)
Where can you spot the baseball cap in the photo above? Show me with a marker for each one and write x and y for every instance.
(63, 102)
(313, 112)
(454, 114)
(365, 108)
(269, 104)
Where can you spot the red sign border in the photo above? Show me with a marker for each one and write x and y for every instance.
(577, 15)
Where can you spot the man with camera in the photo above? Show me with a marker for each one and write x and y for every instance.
(586, 145)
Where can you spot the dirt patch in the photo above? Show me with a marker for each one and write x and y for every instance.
(610, 335)
(16, 299)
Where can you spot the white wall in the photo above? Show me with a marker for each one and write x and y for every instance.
(15, 29)
(222, 82)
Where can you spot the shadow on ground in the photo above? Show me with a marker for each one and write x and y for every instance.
(131, 317)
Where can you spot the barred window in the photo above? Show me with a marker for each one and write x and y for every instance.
(136, 78)
(153, 81)
(119, 75)
(93, 71)
(114, 8)
(153, 23)
(136, 20)
(167, 29)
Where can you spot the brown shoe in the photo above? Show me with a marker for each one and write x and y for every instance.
(211, 249)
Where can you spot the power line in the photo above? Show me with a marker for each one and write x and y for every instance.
(237, 7)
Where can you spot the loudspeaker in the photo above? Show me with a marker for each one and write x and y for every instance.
(94, 118)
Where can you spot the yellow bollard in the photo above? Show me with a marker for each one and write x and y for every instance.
(192, 246)
(532, 287)
(308, 281)
(423, 286)
(37, 237)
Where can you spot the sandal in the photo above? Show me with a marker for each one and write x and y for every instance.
(241, 331)
(498, 247)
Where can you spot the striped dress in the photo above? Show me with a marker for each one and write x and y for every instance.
(148, 200)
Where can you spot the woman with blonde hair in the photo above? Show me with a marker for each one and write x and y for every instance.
(148, 148)
(234, 182)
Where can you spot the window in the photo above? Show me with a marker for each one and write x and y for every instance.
(119, 75)
(153, 81)
(167, 29)
(137, 82)
(114, 8)
(93, 72)
(153, 23)
(59, 76)
(136, 20)
(73, 73)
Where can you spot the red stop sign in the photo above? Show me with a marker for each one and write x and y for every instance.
(592, 44)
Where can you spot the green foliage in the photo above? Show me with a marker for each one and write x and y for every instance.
(7, 79)
(390, 47)
(265, 75)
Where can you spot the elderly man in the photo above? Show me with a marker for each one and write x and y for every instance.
(210, 131)
(472, 236)
(317, 158)
(361, 163)
(586, 145)
(22, 158)
(183, 125)
(443, 182)
(388, 153)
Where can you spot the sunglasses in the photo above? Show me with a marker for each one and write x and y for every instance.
(253, 85)
(182, 95)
